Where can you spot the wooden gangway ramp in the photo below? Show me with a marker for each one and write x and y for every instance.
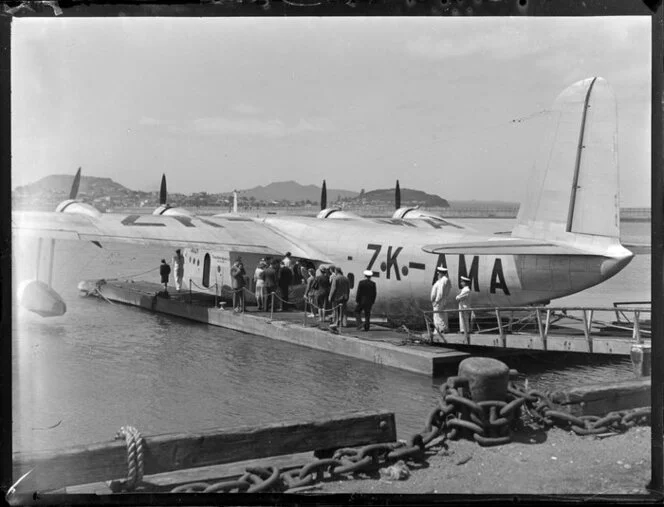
(611, 330)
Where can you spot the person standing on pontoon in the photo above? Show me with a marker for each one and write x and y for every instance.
(165, 273)
(440, 292)
(464, 303)
(259, 280)
(178, 269)
(237, 284)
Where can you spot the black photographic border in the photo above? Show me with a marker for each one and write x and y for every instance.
(272, 8)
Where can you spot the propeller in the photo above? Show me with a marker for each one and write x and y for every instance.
(323, 196)
(75, 184)
(397, 196)
(163, 194)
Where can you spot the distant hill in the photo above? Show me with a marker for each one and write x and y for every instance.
(61, 184)
(409, 197)
(293, 191)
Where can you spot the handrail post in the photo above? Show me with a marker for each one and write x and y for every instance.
(503, 338)
(586, 328)
(636, 332)
(538, 316)
(429, 332)
(546, 328)
(272, 306)
(190, 297)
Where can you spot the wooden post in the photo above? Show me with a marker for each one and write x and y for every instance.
(163, 453)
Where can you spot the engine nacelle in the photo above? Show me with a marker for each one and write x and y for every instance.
(167, 210)
(37, 297)
(336, 213)
(415, 213)
(74, 206)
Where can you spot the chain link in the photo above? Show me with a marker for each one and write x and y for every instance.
(456, 416)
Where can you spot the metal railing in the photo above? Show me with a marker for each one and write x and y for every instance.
(545, 316)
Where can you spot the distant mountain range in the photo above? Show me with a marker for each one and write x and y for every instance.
(293, 191)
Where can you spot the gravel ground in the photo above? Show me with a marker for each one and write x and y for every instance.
(552, 462)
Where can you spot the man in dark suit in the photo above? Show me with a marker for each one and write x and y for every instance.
(364, 299)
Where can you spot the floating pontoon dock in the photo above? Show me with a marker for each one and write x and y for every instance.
(380, 345)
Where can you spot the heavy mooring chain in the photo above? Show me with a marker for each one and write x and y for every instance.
(487, 422)
(343, 462)
(542, 410)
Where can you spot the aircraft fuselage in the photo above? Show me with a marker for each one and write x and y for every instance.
(404, 273)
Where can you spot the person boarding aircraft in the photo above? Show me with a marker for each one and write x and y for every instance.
(566, 237)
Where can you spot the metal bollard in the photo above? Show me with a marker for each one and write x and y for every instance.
(487, 378)
(640, 355)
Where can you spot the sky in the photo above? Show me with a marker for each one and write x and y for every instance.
(223, 103)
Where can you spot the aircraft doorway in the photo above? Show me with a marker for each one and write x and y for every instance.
(206, 271)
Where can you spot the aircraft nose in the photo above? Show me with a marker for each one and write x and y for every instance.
(611, 265)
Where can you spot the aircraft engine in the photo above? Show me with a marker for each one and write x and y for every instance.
(167, 210)
(75, 206)
(37, 297)
(336, 213)
(413, 212)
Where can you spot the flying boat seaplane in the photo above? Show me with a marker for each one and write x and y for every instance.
(566, 237)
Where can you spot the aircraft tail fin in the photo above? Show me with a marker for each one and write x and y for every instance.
(573, 193)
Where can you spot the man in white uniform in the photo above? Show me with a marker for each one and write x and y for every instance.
(464, 302)
(440, 291)
(178, 268)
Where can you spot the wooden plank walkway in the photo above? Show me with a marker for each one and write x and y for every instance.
(381, 345)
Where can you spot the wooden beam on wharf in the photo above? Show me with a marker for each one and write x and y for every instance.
(165, 453)
(604, 398)
(165, 482)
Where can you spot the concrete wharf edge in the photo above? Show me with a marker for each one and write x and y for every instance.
(419, 359)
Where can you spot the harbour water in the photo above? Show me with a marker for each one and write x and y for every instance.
(80, 377)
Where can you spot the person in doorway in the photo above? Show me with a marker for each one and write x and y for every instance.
(365, 299)
(238, 282)
(165, 273)
(339, 294)
(464, 302)
(259, 282)
(440, 292)
(178, 268)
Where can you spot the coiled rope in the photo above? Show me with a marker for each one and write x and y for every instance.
(134, 442)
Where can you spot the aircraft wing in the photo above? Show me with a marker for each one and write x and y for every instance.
(242, 234)
(504, 246)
